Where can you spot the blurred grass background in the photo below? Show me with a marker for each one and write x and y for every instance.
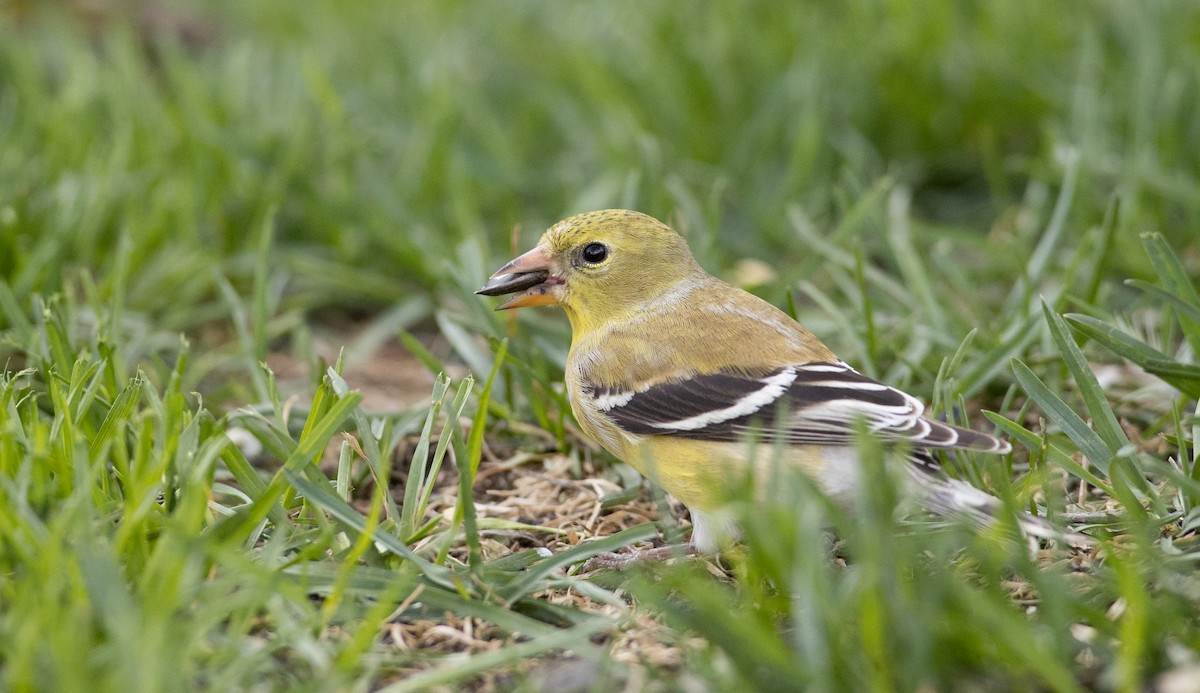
(249, 172)
(147, 151)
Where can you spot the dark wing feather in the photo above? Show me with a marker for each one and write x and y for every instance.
(822, 403)
(680, 400)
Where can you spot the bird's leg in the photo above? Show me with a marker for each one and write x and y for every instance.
(619, 561)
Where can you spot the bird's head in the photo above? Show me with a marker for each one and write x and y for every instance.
(599, 266)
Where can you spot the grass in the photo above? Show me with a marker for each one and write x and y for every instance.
(991, 206)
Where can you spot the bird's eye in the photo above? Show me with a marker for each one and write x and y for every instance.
(594, 253)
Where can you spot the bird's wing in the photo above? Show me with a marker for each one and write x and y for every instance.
(802, 404)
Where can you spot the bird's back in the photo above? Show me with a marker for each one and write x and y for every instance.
(678, 336)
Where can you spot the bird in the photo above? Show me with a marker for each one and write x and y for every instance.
(671, 369)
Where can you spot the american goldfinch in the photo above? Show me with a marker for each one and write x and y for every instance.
(671, 368)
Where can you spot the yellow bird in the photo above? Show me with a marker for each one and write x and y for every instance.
(671, 368)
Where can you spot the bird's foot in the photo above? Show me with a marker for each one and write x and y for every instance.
(624, 561)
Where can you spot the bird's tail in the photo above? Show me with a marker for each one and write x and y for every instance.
(954, 498)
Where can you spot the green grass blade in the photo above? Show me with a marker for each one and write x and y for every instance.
(1185, 373)
(373, 582)
(250, 482)
(412, 510)
(530, 580)
(260, 312)
(468, 463)
(914, 272)
(1185, 310)
(1089, 388)
(1047, 246)
(573, 639)
(421, 353)
(240, 318)
(319, 430)
(1176, 280)
(324, 497)
(1089, 442)
(1182, 376)
(118, 415)
(1014, 342)
(1033, 441)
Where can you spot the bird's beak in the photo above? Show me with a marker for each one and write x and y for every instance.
(529, 275)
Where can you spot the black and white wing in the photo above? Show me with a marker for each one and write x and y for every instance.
(820, 404)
